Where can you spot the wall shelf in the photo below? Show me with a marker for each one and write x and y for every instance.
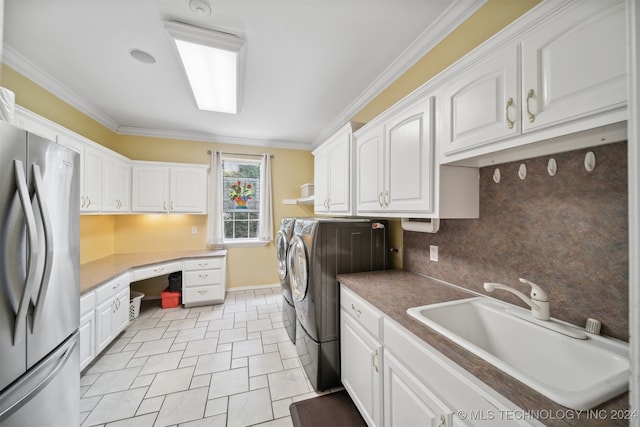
(300, 201)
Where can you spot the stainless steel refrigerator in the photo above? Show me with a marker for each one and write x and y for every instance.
(39, 281)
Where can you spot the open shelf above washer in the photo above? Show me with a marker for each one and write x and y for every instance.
(300, 201)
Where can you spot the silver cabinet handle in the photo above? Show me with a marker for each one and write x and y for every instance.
(374, 360)
(386, 199)
(158, 270)
(88, 202)
(380, 202)
(532, 116)
(203, 276)
(172, 205)
(442, 421)
(203, 292)
(82, 201)
(506, 113)
(164, 205)
(204, 264)
(356, 309)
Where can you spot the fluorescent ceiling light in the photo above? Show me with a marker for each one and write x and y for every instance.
(213, 63)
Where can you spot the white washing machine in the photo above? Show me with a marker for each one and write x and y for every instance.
(282, 249)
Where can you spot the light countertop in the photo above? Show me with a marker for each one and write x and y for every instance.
(95, 273)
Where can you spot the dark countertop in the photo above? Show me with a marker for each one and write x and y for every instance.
(95, 273)
(394, 291)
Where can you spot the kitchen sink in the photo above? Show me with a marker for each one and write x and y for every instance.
(576, 373)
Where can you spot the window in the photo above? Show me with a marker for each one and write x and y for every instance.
(241, 199)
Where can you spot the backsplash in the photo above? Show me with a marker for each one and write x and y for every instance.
(567, 233)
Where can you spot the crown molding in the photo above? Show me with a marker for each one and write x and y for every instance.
(458, 12)
(210, 137)
(36, 74)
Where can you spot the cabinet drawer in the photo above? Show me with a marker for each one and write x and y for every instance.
(111, 288)
(369, 317)
(203, 277)
(87, 303)
(203, 264)
(155, 270)
(201, 295)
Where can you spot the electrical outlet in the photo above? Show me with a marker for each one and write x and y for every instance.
(433, 253)
(194, 230)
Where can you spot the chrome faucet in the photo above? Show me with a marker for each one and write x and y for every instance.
(539, 301)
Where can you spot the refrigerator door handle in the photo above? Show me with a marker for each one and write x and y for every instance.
(48, 242)
(36, 379)
(32, 236)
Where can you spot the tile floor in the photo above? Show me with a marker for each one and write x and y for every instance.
(230, 364)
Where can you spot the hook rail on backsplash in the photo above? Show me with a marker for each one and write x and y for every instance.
(552, 167)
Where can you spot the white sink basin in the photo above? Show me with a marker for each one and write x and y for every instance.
(578, 374)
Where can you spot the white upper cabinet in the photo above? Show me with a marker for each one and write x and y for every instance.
(394, 158)
(332, 174)
(188, 189)
(369, 169)
(116, 184)
(483, 104)
(158, 187)
(559, 70)
(90, 171)
(574, 65)
(397, 173)
(408, 159)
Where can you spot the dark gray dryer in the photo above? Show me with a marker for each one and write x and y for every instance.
(282, 248)
(319, 250)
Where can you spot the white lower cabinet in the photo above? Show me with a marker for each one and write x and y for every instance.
(87, 340)
(112, 310)
(408, 402)
(204, 281)
(397, 380)
(361, 368)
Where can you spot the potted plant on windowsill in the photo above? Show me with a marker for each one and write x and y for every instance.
(241, 193)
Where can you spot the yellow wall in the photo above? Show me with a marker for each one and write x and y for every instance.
(245, 266)
(486, 22)
(103, 235)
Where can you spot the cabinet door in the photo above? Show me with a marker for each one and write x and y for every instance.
(150, 188)
(409, 159)
(361, 368)
(77, 146)
(109, 184)
(408, 402)
(481, 105)
(104, 324)
(321, 181)
(120, 318)
(87, 341)
(574, 65)
(116, 185)
(340, 174)
(369, 169)
(124, 186)
(188, 190)
(92, 179)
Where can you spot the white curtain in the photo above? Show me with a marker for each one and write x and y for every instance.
(215, 232)
(265, 226)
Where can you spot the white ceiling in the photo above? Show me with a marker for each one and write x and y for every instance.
(310, 64)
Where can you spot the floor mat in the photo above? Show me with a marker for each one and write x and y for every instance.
(335, 409)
